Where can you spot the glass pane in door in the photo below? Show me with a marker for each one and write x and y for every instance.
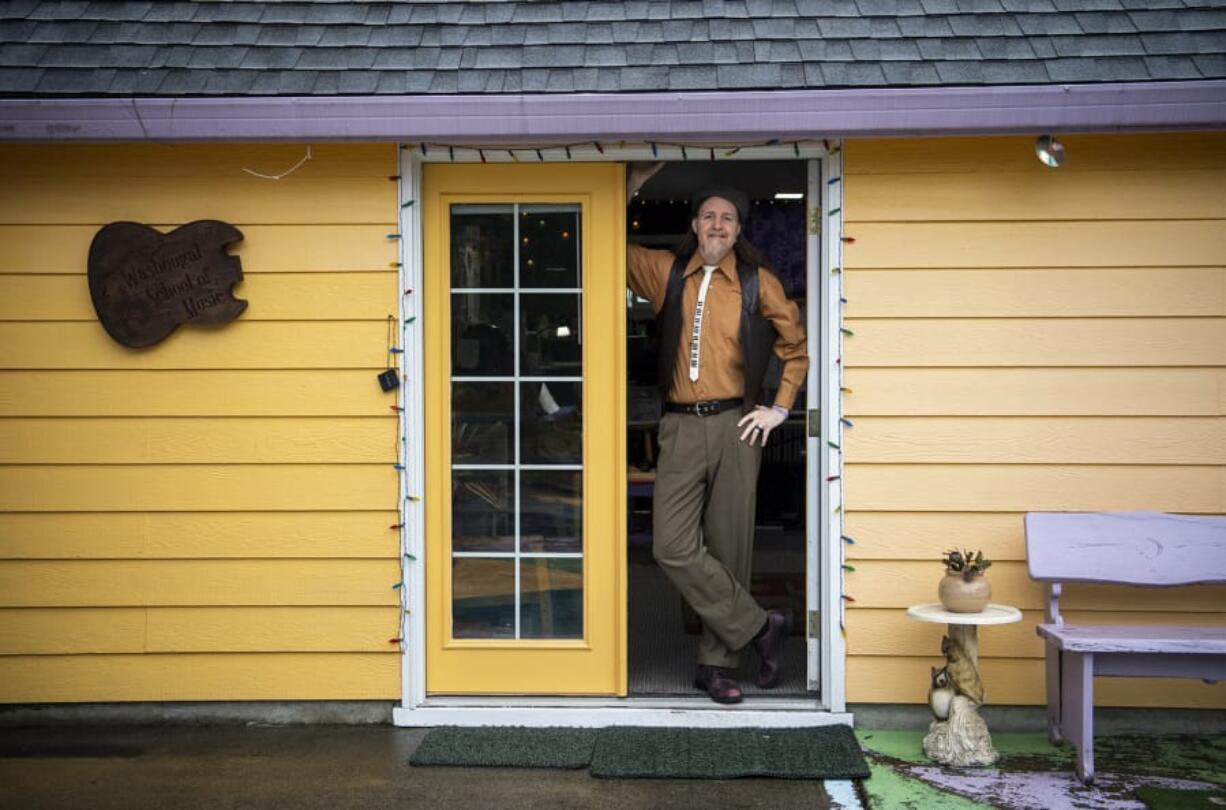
(550, 422)
(483, 597)
(517, 422)
(551, 598)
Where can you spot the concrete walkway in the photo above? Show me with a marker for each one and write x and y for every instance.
(322, 767)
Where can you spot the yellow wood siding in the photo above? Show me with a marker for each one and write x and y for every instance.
(199, 676)
(1146, 391)
(1040, 440)
(206, 519)
(1030, 244)
(249, 344)
(354, 295)
(253, 392)
(60, 631)
(320, 248)
(199, 440)
(1027, 339)
(1012, 681)
(1043, 293)
(193, 535)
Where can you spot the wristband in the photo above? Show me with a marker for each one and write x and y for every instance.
(781, 410)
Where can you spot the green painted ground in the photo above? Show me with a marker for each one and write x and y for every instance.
(1184, 757)
(1166, 799)
(888, 788)
(908, 745)
(1201, 758)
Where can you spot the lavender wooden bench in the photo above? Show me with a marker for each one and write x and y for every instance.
(1145, 549)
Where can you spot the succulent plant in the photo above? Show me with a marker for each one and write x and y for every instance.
(967, 563)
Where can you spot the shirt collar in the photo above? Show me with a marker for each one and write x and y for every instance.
(727, 265)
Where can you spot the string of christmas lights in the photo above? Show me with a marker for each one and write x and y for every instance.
(543, 152)
(401, 527)
(836, 444)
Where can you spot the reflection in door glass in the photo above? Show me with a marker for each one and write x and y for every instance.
(516, 422)
(482, 334)
(483, 598)
(551, 510)
(482, 422)
(552, 598)
(549, 340)
(550, 423)
(483, 517)
(482, 247)
(548, 247)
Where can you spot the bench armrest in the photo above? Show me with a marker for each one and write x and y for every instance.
(1052, 611)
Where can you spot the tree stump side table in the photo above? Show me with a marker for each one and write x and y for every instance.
(962, 739)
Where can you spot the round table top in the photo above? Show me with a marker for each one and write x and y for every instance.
(992, 614)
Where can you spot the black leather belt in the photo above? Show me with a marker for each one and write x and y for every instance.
(709, 407)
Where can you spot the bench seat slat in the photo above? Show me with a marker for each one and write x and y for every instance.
(1136, 638)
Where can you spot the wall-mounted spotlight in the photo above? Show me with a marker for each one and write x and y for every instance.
(1049, 151)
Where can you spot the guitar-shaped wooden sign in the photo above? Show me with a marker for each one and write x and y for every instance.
(145, 283)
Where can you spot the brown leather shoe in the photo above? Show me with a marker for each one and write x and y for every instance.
(770, 648)
(718, 683)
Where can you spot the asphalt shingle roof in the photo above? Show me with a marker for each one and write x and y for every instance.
(125, 47)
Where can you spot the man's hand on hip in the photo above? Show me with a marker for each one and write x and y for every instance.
(759, 423)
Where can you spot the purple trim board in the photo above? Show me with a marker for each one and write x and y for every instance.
(509, 119)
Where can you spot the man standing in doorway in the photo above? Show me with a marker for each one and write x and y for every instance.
(721, 314)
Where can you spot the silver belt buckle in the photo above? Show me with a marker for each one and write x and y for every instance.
(708, 408)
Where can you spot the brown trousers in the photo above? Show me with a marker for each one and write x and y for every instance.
(705, 494)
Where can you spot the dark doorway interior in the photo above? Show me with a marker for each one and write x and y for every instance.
(663, 631)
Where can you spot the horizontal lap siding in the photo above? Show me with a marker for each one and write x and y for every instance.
(199, 676)
(168, 392)
(275, 248)
(206, 519)
(1023, 340)
(350, 296)
(60, 631)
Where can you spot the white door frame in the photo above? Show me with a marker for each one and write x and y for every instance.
(825, 652)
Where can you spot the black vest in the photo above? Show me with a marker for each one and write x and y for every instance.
(757, 334)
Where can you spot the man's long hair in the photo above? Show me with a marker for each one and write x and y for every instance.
(744, 249)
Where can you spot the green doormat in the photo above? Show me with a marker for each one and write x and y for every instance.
(507, 747)
(826, 752)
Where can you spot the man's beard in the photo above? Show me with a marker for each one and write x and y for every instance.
(713, 254)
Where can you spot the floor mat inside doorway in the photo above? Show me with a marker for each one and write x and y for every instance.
(662, 653)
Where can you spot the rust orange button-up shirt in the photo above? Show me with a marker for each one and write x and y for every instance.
(721, 368)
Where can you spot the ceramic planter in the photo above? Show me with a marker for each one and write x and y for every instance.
(961, 596)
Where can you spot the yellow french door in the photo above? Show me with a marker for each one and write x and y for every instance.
(525, 369)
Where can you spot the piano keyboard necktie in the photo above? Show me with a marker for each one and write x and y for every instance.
(696, 333)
